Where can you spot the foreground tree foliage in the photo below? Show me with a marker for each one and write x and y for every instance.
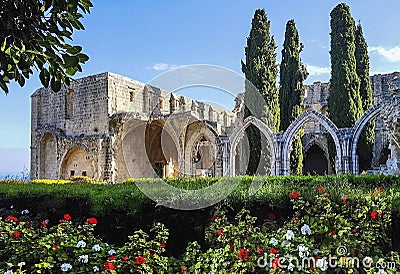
(33, 35)
(291, 92)
(261, 72)
(366, 142)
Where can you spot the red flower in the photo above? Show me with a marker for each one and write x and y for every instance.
(374, 214)
(271, 216)
(321, 189)
(140, 260)
(16, 234)
(55, 246)
(92, 221)
(294, 194)
(112, 258)
(333, 233)
(125, 258)
(150, 255)
(220, 232)
(353, 231)
(275, 263)
(273, 250)
(215, 217)
(43, 224)
(164, 245)
(67, 217)
(243, 254)
(60, 221)
(36, 244)
(259, 250)
(108, 266)
(12, 218)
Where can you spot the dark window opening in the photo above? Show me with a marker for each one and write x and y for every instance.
(84, 173)
(72, 173)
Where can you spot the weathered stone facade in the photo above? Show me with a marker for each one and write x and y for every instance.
(111, 127)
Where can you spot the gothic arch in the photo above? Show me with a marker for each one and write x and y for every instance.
(206, 132)
(238, 134)
(295, 127)
(368, 116)
(77, 161)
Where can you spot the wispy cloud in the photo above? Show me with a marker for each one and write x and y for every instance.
(314, 70)
(164, 66)
(390, 54)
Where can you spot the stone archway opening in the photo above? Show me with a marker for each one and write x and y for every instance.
(77, 162)
(240, 147)
(161, 151)
(313, 125)
(204, 157)
(315, 161)
(48, 157)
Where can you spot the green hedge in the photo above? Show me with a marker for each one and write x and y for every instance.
(126, 197)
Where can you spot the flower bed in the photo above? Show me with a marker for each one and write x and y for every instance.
(323, 235)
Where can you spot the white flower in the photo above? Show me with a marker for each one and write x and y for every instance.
(81, 244)
(66, 267)
(21, 264)
(25, 211)
(381, 271)
(83, 259)
(96, 248)
(95, 269)
(305, 229)
(303, 250)
(285, 243)
(322, 264)
(289, 235)
(9, 272)
(47, 221)
(111, 252)
(290, 267)
(273, 241)
(316, 251)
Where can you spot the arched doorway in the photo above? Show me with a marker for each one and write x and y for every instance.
(239, 152)
(315, 161)
(77, 162)
(204, 156)
(48, 156)
(161, 151)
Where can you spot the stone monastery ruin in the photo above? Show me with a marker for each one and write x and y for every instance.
(111, 127)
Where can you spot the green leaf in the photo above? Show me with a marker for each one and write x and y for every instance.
(44, 77)
(83, 57)
(55, 84)
(3, 86)
(70, 61)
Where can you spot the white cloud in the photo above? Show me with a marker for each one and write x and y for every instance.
(390, 54)
(314, 70)
(164, 66)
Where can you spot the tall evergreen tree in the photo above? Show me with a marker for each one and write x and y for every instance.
(366, 142)
(261, 72)
(344, 101)
(291, 92)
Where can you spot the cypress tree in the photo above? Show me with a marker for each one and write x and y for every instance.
(291, 92)
(344, 101)
(261, 71)
(366, 142)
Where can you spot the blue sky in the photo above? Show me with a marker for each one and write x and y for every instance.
(141, 39)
